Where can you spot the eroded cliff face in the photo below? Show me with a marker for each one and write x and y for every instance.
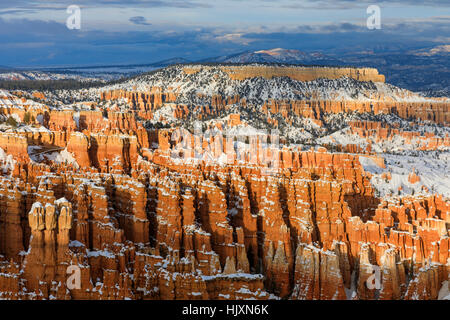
(136, 211)
(176, 231)
(297, 73)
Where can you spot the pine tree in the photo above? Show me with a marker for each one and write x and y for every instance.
(12, 122)
(27, 118)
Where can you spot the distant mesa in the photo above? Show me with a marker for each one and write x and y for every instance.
(295, 72)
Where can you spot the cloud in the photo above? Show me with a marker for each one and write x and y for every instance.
(234, 37)
(140, 20)
(61, 4)
(352, 4)
(34, 29)
(27, 42)
(32, 6)
(16, 11)
(341, 27)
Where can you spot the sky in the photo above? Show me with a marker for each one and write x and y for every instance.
(34, 33)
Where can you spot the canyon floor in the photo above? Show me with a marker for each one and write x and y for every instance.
(226, 181)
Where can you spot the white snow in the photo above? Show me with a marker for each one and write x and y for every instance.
(66, 157)
(433, 169)
(369, 165)
(444, 293)
(16, 117)
(76, 118)
(7, 161)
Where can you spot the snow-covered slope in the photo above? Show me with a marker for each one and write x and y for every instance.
(39, 75)
(212, 80)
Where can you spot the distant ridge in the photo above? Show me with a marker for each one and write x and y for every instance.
(162, 64)
(278, 55)
(5, 68)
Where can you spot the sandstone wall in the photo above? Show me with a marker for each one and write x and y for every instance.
(297, 73)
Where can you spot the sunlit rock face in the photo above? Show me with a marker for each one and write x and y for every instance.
(226, 182)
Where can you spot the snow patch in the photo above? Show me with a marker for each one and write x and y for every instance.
(7, 161)
(444, 293)
(64, 157)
